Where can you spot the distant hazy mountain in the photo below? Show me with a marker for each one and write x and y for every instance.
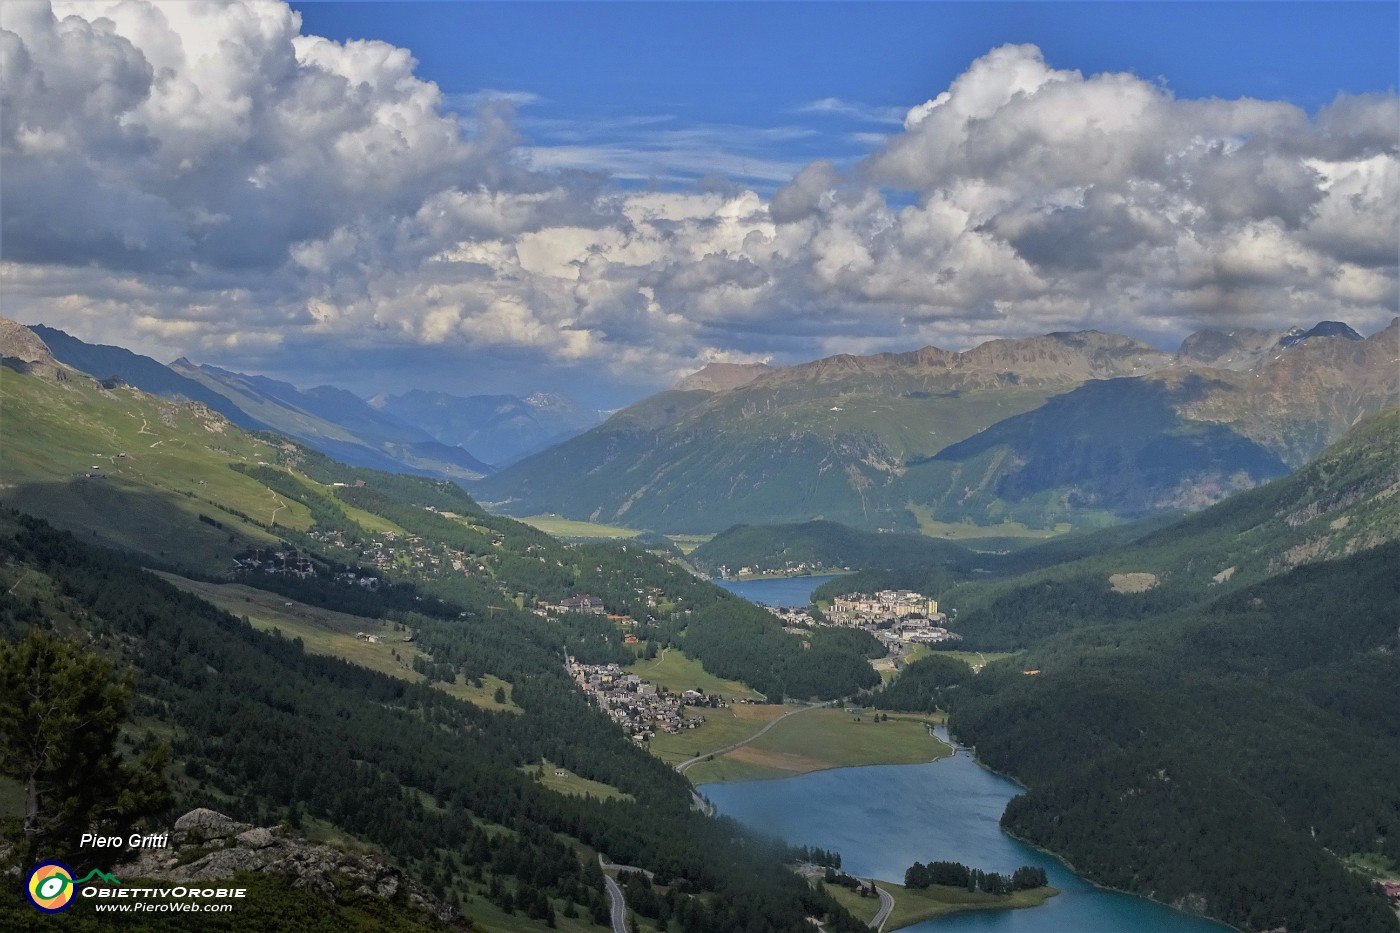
(497, 428)
(337, 423)
(1079, 427)
(142, 372)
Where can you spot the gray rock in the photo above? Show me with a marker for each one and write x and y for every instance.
(220, 864)
(256, 838)
(202, 824)
(215, 847)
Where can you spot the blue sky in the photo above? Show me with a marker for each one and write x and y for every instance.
(778, 84)
(597, 198)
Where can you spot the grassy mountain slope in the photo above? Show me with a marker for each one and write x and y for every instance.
(826, 439)
(144, 373)
(135, 470)
(1081, 428)
(266, 731)
(1116, 444)
(338, 423)
(1345, 502)
(333, 420)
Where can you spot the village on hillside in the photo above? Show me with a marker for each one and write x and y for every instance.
(640, 707)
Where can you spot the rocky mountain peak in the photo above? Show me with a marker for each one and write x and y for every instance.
(1238, 350)
(721, 377)
(20, 343)
(1321, 329)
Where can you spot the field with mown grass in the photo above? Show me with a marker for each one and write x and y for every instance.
(1014, 532)
(820, 739)
(722, 728)
(572, 528)
(973, 659)
(688, 543)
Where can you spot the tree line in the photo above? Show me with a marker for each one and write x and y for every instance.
(958, 875)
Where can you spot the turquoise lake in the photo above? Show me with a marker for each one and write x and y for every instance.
(883, 819)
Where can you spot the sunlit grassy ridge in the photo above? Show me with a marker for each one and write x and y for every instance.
(136, 470)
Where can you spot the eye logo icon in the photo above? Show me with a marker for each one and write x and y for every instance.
(50, 887)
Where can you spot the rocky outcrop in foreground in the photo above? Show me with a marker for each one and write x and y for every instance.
(208, 846)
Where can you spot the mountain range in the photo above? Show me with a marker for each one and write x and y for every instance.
(338, 423)
(499, 429)
(1082, 428)
(428, 433)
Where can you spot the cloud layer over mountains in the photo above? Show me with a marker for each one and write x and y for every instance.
(202, 178)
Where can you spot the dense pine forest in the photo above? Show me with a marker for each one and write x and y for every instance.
(1165, 758)
(1222, 741)
(275, 734)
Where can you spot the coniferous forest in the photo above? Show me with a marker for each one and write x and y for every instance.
(280, 734)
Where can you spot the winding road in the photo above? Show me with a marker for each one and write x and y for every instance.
(615, 895)
(886, 905)
(619, 904)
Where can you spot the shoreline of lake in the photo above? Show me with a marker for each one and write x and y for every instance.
(759, 577)
(883, 818)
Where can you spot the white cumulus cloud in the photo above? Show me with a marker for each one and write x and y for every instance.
(202, 178)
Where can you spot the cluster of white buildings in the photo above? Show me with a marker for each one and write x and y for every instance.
(863, 609)
(893, 616)
(790, 568)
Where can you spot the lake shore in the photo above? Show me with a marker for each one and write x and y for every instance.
(911, 907)
(751, 577)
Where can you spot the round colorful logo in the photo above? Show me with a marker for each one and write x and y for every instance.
(50, 887)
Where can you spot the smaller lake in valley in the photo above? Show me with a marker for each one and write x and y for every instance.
(884, 818)
(781, 592)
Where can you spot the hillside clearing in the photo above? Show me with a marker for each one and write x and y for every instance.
(336, 634)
